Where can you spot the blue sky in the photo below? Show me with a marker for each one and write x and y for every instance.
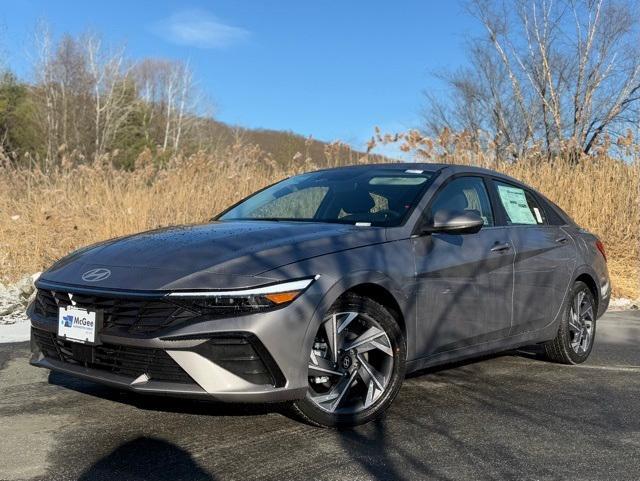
(331, 69)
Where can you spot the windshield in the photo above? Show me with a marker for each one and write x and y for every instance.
(376, 196)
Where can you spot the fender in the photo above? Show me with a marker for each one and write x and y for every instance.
(590, 271)
(601, 298)
(354, 279)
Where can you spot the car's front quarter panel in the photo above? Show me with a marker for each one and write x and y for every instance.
(389, 266)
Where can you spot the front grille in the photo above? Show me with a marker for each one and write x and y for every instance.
(133, 315)
(118, 359)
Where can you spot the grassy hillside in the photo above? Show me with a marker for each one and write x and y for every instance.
(284, 146)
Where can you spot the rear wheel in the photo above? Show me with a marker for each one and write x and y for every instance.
(574, 341)
(356, 364)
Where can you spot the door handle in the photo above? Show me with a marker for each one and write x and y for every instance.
(561, 240)
(501, 247)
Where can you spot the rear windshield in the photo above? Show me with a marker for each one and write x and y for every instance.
(375, 196)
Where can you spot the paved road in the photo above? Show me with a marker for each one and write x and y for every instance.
(506, 417)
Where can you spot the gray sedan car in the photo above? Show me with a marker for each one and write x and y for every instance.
(325, 289)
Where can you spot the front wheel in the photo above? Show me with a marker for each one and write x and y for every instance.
(356, 365)
(577, 330)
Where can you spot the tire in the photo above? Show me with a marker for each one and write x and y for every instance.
(367, 370)
(569, 347)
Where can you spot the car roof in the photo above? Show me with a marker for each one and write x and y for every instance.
(428, 167)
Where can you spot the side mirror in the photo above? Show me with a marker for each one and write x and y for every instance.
(454, 222)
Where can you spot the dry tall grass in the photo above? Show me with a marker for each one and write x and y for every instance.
(601, 196)
(44, 215)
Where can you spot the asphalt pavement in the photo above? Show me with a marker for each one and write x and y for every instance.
(505, 417)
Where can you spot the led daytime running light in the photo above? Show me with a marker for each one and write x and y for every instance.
(277, 291)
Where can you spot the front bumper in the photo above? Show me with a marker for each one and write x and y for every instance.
(188, 361)
(197, 371)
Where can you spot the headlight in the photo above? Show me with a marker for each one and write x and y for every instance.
(242, 300)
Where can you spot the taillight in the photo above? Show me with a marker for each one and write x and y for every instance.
(600, 247)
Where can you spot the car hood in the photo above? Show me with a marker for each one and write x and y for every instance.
(209, 256)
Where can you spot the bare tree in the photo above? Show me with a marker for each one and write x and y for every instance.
(185, 87)
(85, 91)
(92, 100)
(480, 100)
(558, 73)
(65, 86)
(46, 88)
(167, 89)
(111, 92)
(149, 77)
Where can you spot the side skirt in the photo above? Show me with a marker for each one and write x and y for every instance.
(492, 347)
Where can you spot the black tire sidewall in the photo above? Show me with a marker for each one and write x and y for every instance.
(383, 317)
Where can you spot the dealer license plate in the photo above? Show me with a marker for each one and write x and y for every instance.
(78, 325)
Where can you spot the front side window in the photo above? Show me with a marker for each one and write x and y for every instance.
(378, 196)
(465, 194)
(520, 206)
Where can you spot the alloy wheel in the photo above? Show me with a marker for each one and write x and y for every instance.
(350, 364)
(581, 322)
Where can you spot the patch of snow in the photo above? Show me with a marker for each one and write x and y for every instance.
(17, 332)
(623, 304)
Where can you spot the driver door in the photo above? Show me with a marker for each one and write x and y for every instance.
(464, 281)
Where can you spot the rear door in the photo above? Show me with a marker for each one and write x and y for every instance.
(465, 281)
(544, 258)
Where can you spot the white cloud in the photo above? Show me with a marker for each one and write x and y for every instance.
(197, 28)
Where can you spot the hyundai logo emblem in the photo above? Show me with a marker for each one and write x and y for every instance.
(95, 275)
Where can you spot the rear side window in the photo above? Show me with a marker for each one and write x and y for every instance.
(553, 212)
(520, 205)
(464, 194)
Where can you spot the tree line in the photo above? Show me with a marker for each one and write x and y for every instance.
(87, 99)
(91, 99)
